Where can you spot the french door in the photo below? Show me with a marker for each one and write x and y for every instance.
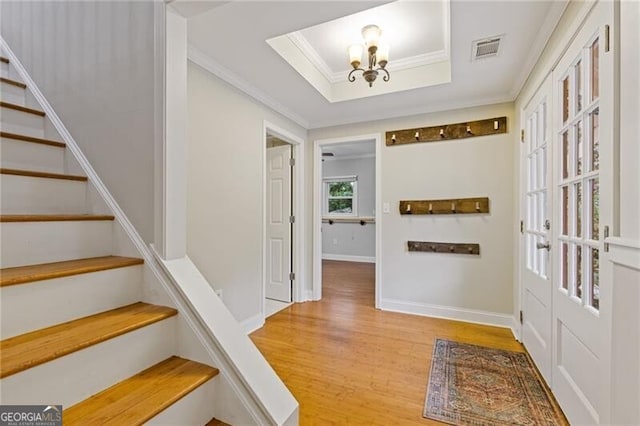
(567, 196)
(536, 276)
(583, 187)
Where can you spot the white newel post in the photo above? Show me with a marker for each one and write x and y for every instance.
(171, 155)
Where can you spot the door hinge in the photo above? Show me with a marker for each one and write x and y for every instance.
(607, 44)
(521, 318)
(522, 135)
(522, 226)
(292, 219)
(292, 162)
(292, 276)
(606, 235)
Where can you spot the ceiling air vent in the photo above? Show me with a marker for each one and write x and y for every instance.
(486, 48)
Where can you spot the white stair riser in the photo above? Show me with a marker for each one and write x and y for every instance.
(15, 154)
(21, 123)
(32, 306)
(75, 377)
(12, 94)
(30, 243)
(34, 195)
(194, 409)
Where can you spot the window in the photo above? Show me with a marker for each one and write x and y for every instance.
(579, 184)
(341, 196)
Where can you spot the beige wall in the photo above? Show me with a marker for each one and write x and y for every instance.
(480, 166)
(225, 189)
(94, 62)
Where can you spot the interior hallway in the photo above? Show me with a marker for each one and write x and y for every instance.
(348, 363)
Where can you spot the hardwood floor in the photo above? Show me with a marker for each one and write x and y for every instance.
(349, 364)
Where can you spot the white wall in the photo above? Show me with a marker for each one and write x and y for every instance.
(352, 239)
(225, 188)
(445, 284)
(94, 62)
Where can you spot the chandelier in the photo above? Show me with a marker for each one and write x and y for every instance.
(378, 53)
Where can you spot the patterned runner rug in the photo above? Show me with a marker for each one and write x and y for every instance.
(475, 385)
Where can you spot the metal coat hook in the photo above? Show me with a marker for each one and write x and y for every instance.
(430, 208)
(453, 207)
(393, 138)
(468, 129)
(477, 206)
(442, 133)
(408, 208)
(452, 249)
(417, 136)
(496, 125)
(362, 222)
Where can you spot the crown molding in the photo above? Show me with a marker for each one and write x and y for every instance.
(205, 61)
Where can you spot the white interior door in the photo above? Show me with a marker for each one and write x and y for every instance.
(583, 130)
(278, 268)
(536, 276)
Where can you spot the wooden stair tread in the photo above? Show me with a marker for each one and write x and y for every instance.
(47, 175)
(21, 108)
(52, 217)
(138, 399)
(37, 347)
(47, 271)
(3, 59)
(13, 82)
(32, 139)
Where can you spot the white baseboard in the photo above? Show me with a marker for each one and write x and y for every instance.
(348, 258)
(253, 323)
(308, 295)
(515, 329)
(448, 312)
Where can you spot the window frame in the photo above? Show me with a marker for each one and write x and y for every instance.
(326, 197)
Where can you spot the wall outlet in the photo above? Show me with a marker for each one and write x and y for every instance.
(335, 241)
(385, 208)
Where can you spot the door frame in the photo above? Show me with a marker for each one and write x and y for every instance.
(297, 265)
(318, 204)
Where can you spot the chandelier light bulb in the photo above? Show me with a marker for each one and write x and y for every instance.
(371, 35)
(355, 55)
(382, 54)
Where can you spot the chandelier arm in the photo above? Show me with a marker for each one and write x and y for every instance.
(384, 77)
(352, 77)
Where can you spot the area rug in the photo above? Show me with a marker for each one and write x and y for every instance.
(475, 385)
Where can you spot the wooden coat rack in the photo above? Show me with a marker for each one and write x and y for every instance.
(448, 206)
(433, 247)
(448, 132)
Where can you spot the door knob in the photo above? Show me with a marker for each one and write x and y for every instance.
(543, 246)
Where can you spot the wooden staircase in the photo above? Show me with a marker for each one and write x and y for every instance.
(74, 328)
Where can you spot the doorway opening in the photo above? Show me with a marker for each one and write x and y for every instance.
(346, 198)
(282, 219)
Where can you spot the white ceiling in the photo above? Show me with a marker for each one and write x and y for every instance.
(230, 41)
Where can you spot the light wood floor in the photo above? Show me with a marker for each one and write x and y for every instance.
(349, 364)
